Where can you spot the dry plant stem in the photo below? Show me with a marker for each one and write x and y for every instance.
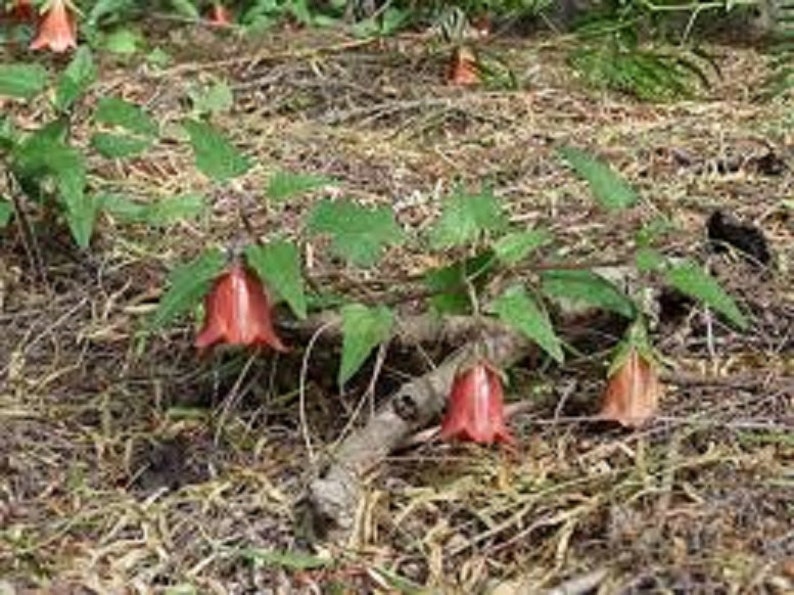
(304, 420)
(332, 499)
(367, 397)
(29, 242)
(232, 396)
(246, 222)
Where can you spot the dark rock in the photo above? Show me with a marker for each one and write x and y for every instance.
(724, 230)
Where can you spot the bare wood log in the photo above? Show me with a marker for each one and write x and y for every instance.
(421, 328)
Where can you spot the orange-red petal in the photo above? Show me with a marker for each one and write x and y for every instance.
(57, 29)
(220, 16)
(238, 312)
(633, 391)
(463, 69)
(475, 410)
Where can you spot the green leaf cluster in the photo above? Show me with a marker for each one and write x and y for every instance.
(363, 329)
(465, 218)
(129, 130)
(49, 168)
(187, 285)
(215, 98)
(517, 309)
(473, 224)
(358, 234)
(279, 264)
(44, 160)
(215, 156)
(612, 59)
(608, 188)
(160, 213)
(79, 75)
(284, 185)
(26, 81)
(22, 81)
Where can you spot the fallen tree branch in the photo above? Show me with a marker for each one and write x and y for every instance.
(331, 501)
(330, 505)
(420, 328)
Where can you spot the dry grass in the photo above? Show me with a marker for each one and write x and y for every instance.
(118, 473)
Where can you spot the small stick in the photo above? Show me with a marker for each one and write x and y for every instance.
(579, 585)
(307, 439)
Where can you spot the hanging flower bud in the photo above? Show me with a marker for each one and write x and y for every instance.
(633, 389)
(57, 28)
(219, 15)
(464, 69)
(475, 410)
(238, 312)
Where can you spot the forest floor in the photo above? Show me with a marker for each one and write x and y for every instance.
(125, 469)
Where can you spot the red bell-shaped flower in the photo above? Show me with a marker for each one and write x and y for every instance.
(463, 70)
(475, 410)
(238, 312)
(633, 391)
(57, 29)
(219, 15)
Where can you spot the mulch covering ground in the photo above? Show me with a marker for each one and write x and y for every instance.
(124, 467)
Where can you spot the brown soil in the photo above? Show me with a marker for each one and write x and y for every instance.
(132, 466)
